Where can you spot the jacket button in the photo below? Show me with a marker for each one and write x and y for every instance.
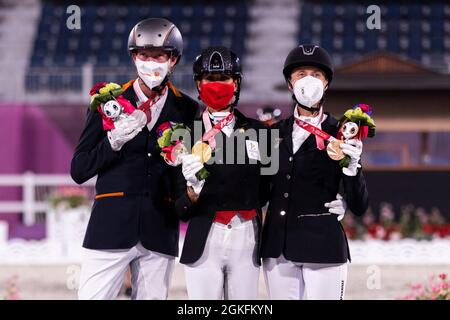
(286, 195)
(282, 213)
(290, 159)
(288, 176)
(149, 154)
(229, 226)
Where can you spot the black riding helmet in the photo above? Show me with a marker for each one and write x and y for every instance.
(308, 55)
(219, 59)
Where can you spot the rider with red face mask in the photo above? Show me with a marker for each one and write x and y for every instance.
(224, 210)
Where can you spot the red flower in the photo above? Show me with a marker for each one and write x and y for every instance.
(443, 276)
(372, 230)
(444, 230)
(163, 127)
(97, 87)
(169, 153)
(428, 229)
(365, 108)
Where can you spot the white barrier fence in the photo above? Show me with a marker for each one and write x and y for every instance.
(65, 232)
(66, 247)
(29, 182)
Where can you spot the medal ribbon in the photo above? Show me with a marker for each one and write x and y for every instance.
(145, 107)
(320, 135)
(212, 131)
(314, 130)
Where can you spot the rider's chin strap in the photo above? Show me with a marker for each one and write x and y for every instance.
(237, 94)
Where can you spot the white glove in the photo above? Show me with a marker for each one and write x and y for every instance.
(338, 206)
(190, 166)
(124, 130)
(352, 148)
(140, 117)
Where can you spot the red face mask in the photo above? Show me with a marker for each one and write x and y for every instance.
(216, 95)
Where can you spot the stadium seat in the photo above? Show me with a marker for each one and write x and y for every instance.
(412, 29)
(105, 27)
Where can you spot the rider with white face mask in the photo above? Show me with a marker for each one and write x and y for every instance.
(133, 220)
(304, 248)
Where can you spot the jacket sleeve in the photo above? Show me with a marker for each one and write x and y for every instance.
(356, 193)
(93, 152)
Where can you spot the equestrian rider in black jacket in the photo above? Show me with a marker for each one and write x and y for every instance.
(133, 219)
(220, 250)
(304, 247)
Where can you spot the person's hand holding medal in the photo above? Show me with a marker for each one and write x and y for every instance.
(173, 150)
(174, 153)
(201, 153)
(355, 124)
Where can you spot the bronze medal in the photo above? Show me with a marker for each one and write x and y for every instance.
(202, 150)
(334, 150)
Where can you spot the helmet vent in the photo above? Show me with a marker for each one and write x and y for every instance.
(308, 50)
(216, 62)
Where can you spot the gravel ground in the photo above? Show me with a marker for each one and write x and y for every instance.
(364, 282)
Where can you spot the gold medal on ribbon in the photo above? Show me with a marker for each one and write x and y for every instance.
(334, 150)
(202, 150)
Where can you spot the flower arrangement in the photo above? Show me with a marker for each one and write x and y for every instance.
(102, 92)
(107, 99)
(412, 222)
(11, 290)
(361, 114)
(356, 123)
(68, 198)
(437, 288)
(170, 141)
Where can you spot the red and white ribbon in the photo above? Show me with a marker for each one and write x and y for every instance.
(211, 131)
(150, 103)
(320, 135)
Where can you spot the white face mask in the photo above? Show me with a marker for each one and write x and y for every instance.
(308, 91)
(151, 72)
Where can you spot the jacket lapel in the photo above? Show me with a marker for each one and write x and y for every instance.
(241, 120)
(130, 95)
(330, 125)
(286, 133)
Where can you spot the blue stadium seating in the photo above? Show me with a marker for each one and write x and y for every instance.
(105, 28)
(412, 29)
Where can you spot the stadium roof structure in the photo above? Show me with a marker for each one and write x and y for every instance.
(387, 71)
